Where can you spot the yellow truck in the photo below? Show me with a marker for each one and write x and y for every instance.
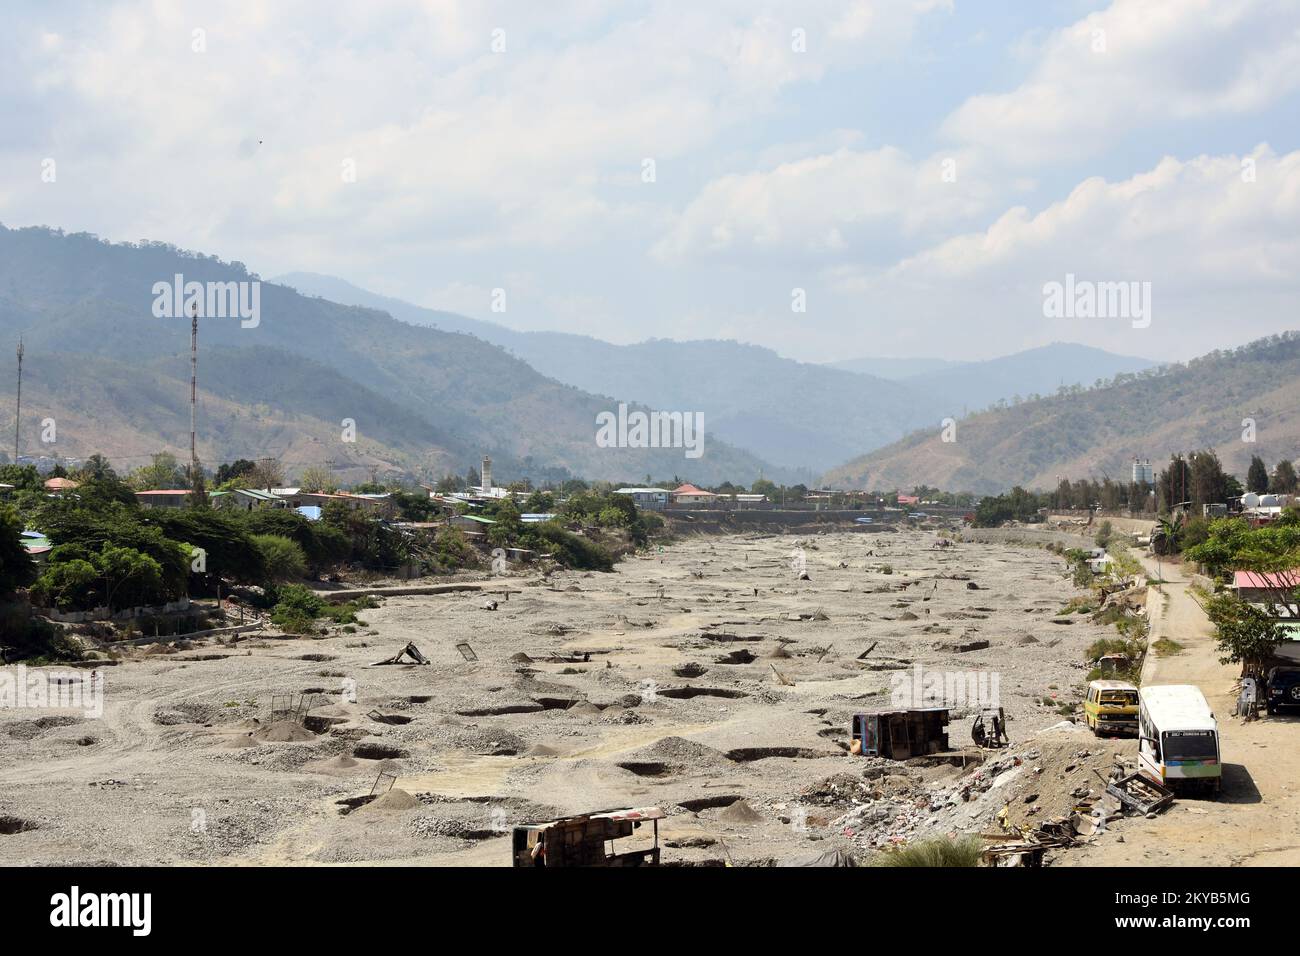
(1111, 707)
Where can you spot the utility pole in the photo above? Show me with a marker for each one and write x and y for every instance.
(194, 378)
(18, 412)
(196, 479)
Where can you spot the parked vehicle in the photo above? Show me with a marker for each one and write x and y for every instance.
(1178, 738)
(1283, 688)
(1111, 707)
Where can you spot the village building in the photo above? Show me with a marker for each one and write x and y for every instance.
(246, 499)
(163, 498)
(690, 496)
(60, 486)
(651, 499)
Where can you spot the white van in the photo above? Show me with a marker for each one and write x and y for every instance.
(1178, 737)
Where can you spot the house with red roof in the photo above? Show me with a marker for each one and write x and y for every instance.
(1255, 587)
(692, 496)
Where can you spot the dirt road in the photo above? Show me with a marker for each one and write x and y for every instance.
(1256, 820)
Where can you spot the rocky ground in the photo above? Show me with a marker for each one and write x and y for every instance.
(706, 678)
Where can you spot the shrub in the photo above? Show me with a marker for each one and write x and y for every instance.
(323, 544)
(282, 559)
(570, 549)
(296, 609)
(939, 851)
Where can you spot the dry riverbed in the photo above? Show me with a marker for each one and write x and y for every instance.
(691, 678)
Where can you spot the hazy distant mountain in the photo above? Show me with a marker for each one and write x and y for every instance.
(1042, 371)
(795, 414)
(791, 413)
(894, 369)
(1091, 433)
(115, 377)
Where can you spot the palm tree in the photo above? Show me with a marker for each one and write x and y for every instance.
(1164, 540)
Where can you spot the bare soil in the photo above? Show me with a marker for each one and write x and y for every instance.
(693, 677)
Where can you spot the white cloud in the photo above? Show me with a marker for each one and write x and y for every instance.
(1218, 250)
(824, 205)
(1137, 62)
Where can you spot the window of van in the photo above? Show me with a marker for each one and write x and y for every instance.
(1190, 745)
(1119, 698)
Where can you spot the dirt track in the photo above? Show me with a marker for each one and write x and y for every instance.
(1256, 820)
(171, 775)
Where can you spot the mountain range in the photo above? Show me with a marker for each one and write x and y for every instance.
(114, 378)
(431, 391)
(1240, 403)
(797, 415)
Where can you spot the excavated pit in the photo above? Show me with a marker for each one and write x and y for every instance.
(742, 656)
(647, 768)
(374, 751)
(689, 693)
(747, 754)
(697, 804)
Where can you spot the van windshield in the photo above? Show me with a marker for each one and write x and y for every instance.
(1191, 745)
(1120, 698)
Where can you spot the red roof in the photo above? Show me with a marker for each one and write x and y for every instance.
(689, 489)
(1252, 579)
(61, 484)
(909, 499)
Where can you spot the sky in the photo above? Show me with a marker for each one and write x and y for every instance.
(827, 179)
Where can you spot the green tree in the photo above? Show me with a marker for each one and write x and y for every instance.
(130, 577)
(1244, 634)
(227, 545)
(16, 568)
(230, 475)
(162, 472)
(1284, 481)
(67, 585)
(1257, 475)
(96, 468)
(318, 479)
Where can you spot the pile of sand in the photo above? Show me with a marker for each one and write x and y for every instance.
(393, 801)
(281, 731)
(741, 812)
(339, 765)
(680, 752)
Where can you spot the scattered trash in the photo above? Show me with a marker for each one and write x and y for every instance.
(410, 650)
